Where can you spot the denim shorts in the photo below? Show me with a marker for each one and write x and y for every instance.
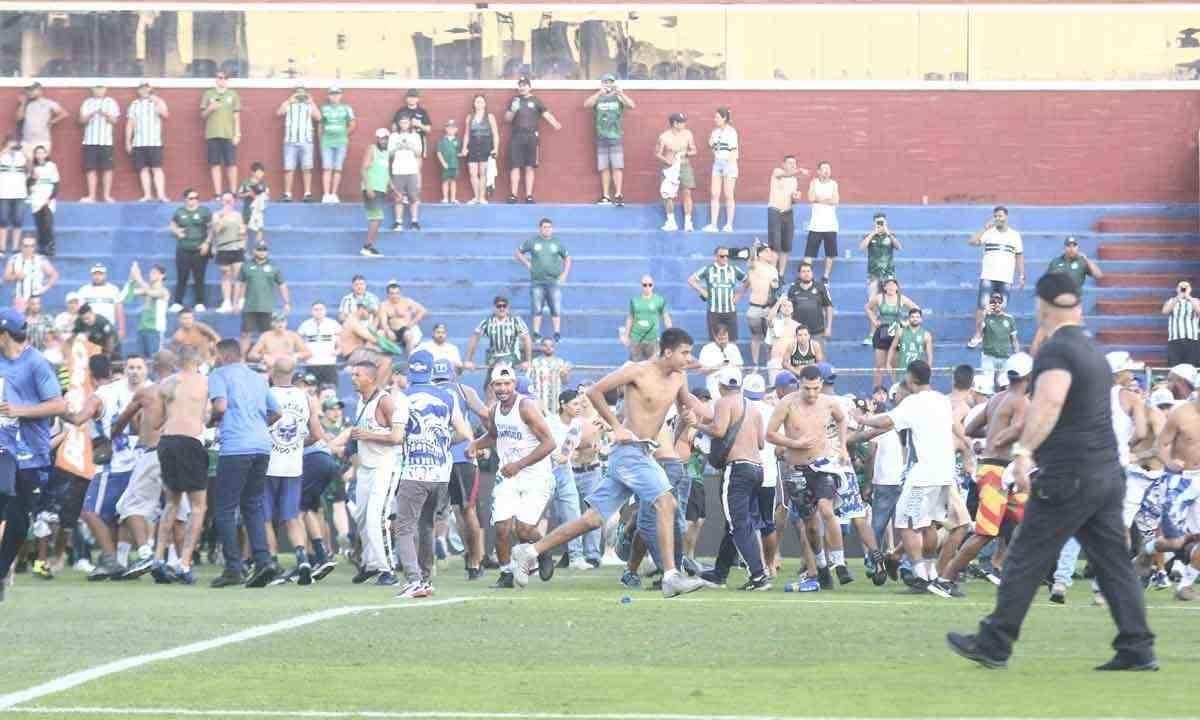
(297, 155)
(632, 470)
(333, 158)
(545, 297)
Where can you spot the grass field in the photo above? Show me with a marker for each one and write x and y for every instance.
(569, 648)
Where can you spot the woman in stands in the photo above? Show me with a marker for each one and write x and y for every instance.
(43, 189)
(724, 143)
(479, 145)
(884, 312)
(229, 243)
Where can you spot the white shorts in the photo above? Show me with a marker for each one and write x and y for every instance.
(725, 168)
(1136, 485)
(920, 507)
(523, 497)
(144, 492)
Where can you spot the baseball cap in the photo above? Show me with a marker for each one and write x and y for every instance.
(334, 90)
(523, 80)
(983, 385)
(786, 379)
(1070, 241)
(1018, 365)
(828, 373)
(72, 296)
(1185, 372)
(678, 118)
(701, 393)
(33, 85)
(331, 403)
(261, 245)
(442, 372)
(420, 366)
(608, 77)
(99, 268)
(1162, 396)
(503, 371)
(755, 386)
(412, 92)
(1120, 361)
(11, 320)
(730, 377)
(1052, 286)
(278, 317)
(144, 83)
(382, 133)
(1001, 381)
(451, 123)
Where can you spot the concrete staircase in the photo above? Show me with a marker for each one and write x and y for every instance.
(464, 257)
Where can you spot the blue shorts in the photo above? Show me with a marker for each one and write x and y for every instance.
(103, 492)
(545, 296)
(632, 470)
(297, 155)
(333, 158)
(281, 499)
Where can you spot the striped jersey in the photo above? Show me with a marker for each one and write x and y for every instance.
(1000, 251)
(103, 298)
(297, 123)
(321, 338)
(33, 280)
(99, 131)
(503, 336)
(722, 283)
(147, 123)
(1184, 324)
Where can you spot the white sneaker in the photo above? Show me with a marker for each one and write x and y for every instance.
(224, 307)
(84, 565)
(580, 564)
(199, 308)
(524, 561)
(728, 228)
(669, 225)
(175, 307)
(711, 227)
(329, 199)
(687, 225)
(676, 583)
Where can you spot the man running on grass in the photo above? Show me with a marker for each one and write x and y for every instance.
(650, 388)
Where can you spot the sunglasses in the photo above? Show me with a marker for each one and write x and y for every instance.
(647, 284)
(502, 307)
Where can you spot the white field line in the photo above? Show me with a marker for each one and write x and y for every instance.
(66, 682)
(453, 715)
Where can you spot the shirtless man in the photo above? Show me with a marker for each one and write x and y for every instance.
(1179, 450)
(279, 343)
(798, 425)
(1001, 505)
(1147, 462)
(523, 441)
(144, 492)
(763, 280)
(197, 334)
(183, 459)
(781, 224)
(743, 476)
(585, 463)
(677, 143)
(650, 388)
(399, 317)
(358, 333)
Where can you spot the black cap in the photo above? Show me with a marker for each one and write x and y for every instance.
(678, 118)
(1070, 241)
(412, 92)
(1052, 286)
(523, 80)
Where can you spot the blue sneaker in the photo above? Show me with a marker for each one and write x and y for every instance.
(631, 580)
(162, 573)
(186, 578)
(809, 585)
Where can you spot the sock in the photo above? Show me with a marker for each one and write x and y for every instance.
(837, 558)
(145, 551)
(301, 556)
(670, 574)
(123, 553)
(1187, 577)
(821, 561)
(319, 551)
(172, 555)
(508, 567)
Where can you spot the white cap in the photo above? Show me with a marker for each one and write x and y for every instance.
(72, 296)
(1018, 365)
(983, 385)
(1185, 371)
(755, 386)
(1162, 396)
(893, 391)
(503, 371)
(1120, 361)
(1002, 381)
(382, 133)
(730, 377)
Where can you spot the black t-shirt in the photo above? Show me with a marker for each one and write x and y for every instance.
(1082, 440)
(808, 305)
(527, 112)
(418, 116)
(100, 333)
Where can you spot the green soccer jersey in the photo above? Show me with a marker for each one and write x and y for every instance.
(880, 262)
(722, 283)
(335, 125)
(220, 122)
(912, 345)
(447, 149)
(547, 258)
(609, 113)
(647, 315)
(261, 280)
(998, 330)
(1075, 267)
(195, 224)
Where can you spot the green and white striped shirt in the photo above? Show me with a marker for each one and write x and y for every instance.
(1183, 323)
(503, 338)
(722, 283)
(297, 123)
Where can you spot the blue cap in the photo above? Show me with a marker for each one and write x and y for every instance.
(828, 374)
(608, 77)
(420, 366)
(786, 379)
(12, 320)
(442, 371)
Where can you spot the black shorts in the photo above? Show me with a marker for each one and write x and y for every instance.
(220, 151)
(256, 322)
(230, 257)
(326, 374)
(817, 486)
(818, 239)
(523, 150)
(97, 157)
(697, 506)
(147, 157)
(480, 151)
(320, 469)
(766, 509)
(184, 463)
(464, 484)
(882, 339)
(781, 228)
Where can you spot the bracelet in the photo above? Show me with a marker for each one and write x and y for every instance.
(1020, 451)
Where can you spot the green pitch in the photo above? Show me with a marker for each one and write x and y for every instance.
(570, 647)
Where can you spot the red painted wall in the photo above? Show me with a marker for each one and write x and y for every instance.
(1018, 147)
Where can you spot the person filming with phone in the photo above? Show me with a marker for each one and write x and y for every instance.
(1183, 326)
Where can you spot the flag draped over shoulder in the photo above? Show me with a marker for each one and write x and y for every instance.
(75, 452)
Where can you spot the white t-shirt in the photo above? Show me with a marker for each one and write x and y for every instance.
(1000, 251)
(12, 175)
(769, 462)
(447, 351)
(889, 459)
(405, 149)
(724, 143)
(321, 338)
(566, 436)
(712, 357)
(824, 217)
(929, 417)
(103, 299)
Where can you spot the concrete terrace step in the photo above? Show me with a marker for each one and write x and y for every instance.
(1138, 305)
(1123, 336)
(1148, 224)
(1149, 279)
(1161, 252)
